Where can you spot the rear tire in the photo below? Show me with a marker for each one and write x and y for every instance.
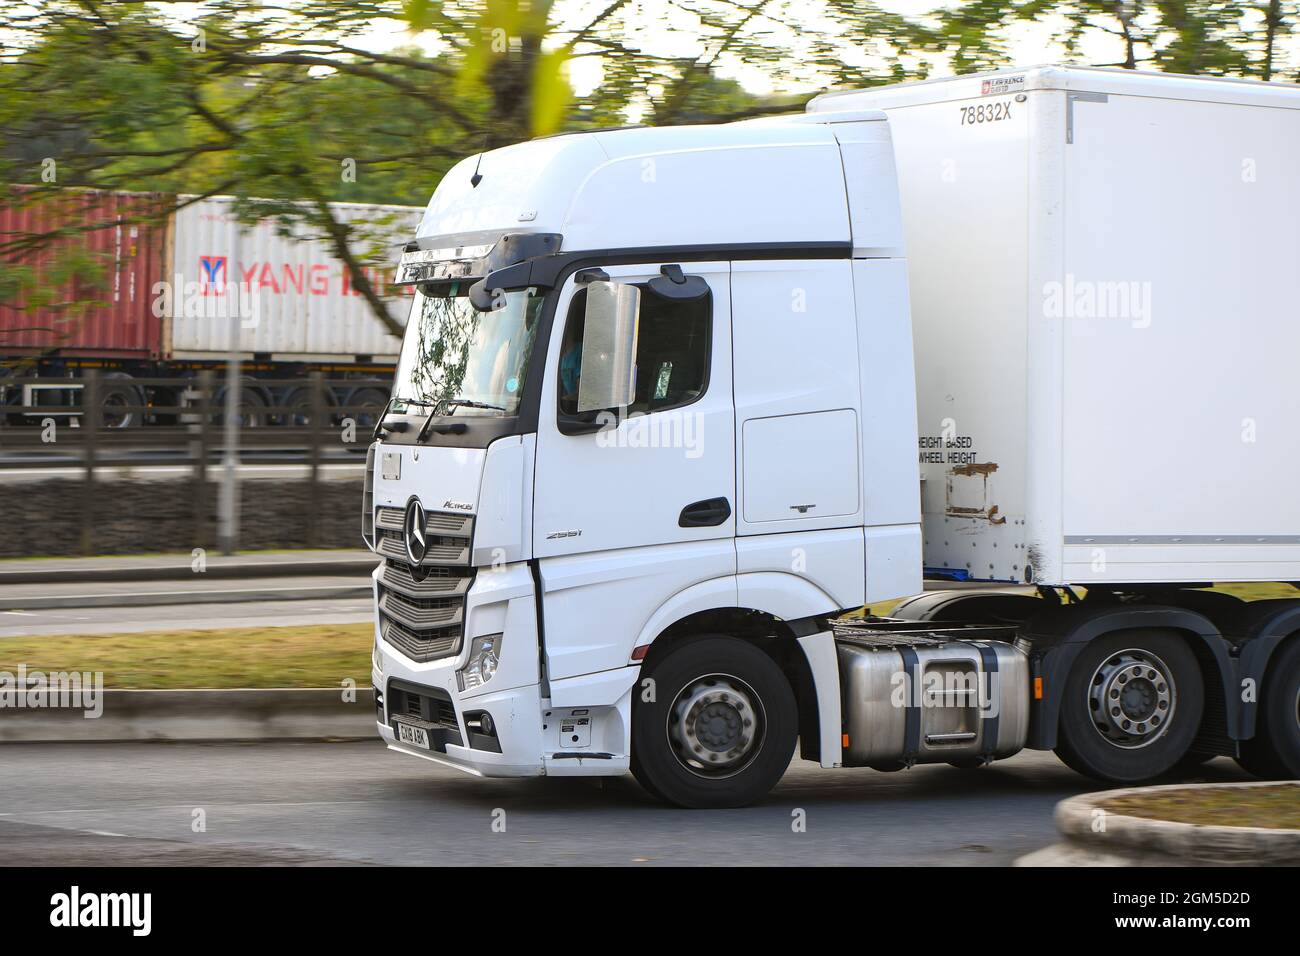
(121, 403)
(1154, 696)
(1274, 752)
(721, 729)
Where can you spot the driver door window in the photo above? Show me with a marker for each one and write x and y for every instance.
(672, 354)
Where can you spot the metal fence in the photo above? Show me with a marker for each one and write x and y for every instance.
(93, 423)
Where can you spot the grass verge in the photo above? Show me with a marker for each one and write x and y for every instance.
(1276, 806)
(316, 656)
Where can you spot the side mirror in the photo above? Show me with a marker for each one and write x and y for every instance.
(609, 334)
(481, 297)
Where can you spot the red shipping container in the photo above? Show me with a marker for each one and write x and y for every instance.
(106, 311)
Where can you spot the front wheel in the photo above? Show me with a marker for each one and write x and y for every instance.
(720, 728)
(1132, 706)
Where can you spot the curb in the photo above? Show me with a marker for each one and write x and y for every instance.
(324, 592)
(182, 571)
(306, 713)
(1137, 841)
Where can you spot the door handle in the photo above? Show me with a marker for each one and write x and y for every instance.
(705, 514)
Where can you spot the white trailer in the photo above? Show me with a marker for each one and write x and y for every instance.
(1105, 312)
(655, 430)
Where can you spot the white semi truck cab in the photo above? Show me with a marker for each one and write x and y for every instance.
(665, 417)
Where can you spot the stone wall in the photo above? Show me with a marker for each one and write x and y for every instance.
(43, 518)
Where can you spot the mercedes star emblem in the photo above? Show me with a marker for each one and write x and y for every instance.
(416, 544)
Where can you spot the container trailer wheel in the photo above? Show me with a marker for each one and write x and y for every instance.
(1132, 706)
(121, 404)
(721, 727)
(251, 403)
(1274, 752)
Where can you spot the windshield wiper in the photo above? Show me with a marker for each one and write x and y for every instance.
(452, 428)
(381, 427)
(470, 403)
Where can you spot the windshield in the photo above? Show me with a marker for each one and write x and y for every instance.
(464, 362)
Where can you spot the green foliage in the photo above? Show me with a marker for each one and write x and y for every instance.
(298, 100)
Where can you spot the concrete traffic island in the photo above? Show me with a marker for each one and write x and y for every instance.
(1178, 825)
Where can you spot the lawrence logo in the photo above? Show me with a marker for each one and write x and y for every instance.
(75, 909)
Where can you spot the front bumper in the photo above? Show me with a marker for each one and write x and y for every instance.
(499, 602)
(581, 728)
(515, 713)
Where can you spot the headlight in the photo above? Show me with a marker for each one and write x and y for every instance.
(484, 656)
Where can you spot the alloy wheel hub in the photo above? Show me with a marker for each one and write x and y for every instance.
(715, 726)
(1132, 698)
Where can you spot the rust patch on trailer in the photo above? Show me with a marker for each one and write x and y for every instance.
(975, 468)
(968, 492)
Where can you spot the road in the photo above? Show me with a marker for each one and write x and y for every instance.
(184, 617)
(356, 802)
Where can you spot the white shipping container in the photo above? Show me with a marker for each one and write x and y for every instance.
(1104, 289)
(304, 306)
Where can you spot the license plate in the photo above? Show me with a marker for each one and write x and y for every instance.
(415, 736)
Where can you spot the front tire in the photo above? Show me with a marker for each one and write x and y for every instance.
(1132, 706)
(721, 729)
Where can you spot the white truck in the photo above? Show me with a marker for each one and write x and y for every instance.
(672, 402)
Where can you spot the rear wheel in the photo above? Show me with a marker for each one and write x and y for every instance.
(721, 728)
(1274, 752)
(121, 403)
(252, 407)
(1132, 706)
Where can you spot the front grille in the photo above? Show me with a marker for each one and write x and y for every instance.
(423, 619)
(435, 581)
(435, 522)
(421, 644)
(441, 550)
(421, 610)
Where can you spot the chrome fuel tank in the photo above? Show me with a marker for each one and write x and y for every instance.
(932, 701)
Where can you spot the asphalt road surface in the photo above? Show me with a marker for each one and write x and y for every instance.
(349, 803)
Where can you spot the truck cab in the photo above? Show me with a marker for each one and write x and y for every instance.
(656, 389)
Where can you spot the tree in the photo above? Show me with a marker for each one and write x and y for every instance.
(291, 100)
(1203, 37)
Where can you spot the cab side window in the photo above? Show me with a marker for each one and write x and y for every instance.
(672, 352)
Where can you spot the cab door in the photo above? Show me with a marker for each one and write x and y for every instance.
(665, 473)
(641, 512)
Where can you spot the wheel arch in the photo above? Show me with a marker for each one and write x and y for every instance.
(773, 625)
(1065, 631)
